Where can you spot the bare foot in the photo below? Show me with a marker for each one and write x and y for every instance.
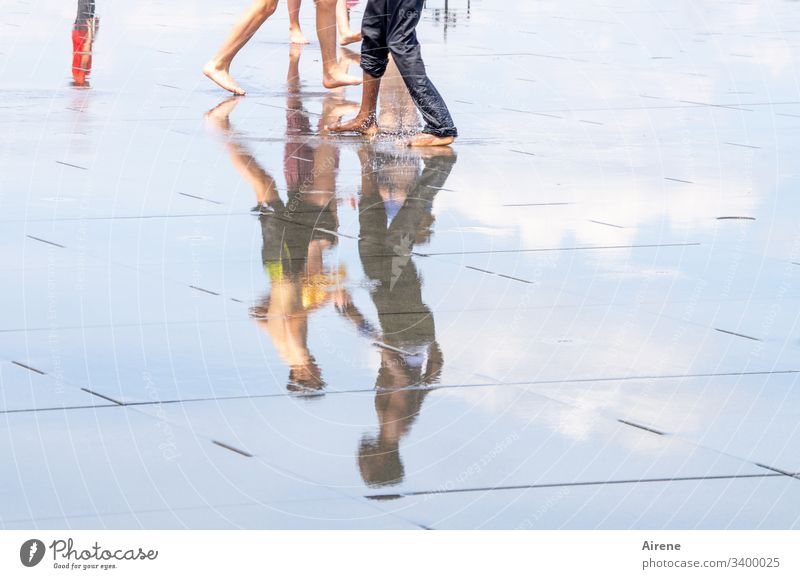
(296, 36)
(220, 75)
(428, 140)
(336, 78)
(350, 38)
(218, 116)
(365, 125)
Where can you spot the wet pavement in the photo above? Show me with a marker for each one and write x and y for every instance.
(582, 315)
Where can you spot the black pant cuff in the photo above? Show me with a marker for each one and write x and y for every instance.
(441, 132)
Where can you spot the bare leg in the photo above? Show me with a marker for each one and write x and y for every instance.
(262, 182)
(218, 68)
(296, 35)
(365, 121)
(293, 75)
(332, 76)
(346, 34)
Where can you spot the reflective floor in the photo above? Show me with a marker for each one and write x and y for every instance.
(583, 314)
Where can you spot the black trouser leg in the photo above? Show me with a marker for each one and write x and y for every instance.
(390, 26)
(403, 17)
(374, 48)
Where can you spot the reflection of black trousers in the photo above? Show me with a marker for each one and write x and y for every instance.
(390, 26)
(386, 251)
(85, 11)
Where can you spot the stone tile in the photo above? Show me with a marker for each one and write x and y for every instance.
(23, 389)
(696, 504)
(112, 460)
(458, 438)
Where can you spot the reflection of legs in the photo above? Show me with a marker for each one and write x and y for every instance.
(332, 76)
(346, 34)
(347, 58)
(295, 33)
(334, 108)
(398, 114)
(369, 180)
(262, 182)
(293, 75)
(218, 68)
(284, 314)
(322, 187)
(372, 219)
(288, 327)
(326, 162)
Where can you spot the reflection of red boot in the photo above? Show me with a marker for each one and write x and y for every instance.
(81, 57)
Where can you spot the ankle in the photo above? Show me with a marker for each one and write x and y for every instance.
(218, 64)
(367, 118)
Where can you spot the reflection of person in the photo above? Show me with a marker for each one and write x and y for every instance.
(218, 68)
(398, 115)
(84, 32)
(296, 234)
(346, 35)
(395, 215)
(389, 27)
(292, 254)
